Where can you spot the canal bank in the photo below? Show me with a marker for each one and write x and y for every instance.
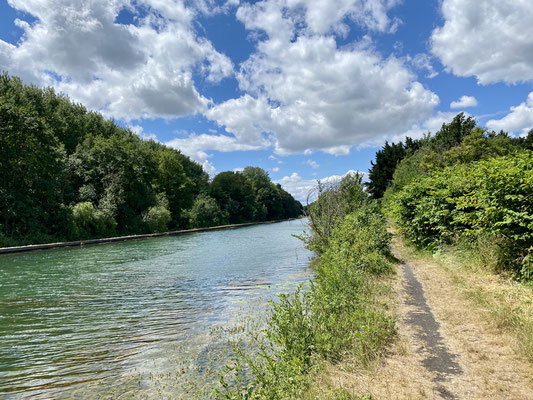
(45, 246)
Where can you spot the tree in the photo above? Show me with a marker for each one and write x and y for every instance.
(206, 212)
(175, 184)
(234, 194)
(32, 168)
(380, 173)
(452, 134)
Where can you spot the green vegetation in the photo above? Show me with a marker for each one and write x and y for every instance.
(467, 185)
(67, 173)
(338, 318)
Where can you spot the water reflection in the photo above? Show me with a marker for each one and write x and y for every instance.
(136, 317)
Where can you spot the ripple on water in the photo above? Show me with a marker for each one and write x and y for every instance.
(137, 319)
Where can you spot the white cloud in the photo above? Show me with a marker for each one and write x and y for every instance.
(194, 143)
(423, 62)
(491, 40)
(519, 120)
(303, 92)
(313, 164)
(195, 146)
(305, 189)
(242, 117)
(416, 131)
(318, 16)
(464, 101)
(275, 169)
(126, 71)
(139, 131)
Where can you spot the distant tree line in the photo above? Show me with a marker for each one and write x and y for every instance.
(67, 173)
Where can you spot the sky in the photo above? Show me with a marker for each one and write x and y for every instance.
(306, 89)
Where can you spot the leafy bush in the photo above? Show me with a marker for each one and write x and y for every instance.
(206, 212)
(90, 222)
(489, 196)
(157, 219)
(334, 201)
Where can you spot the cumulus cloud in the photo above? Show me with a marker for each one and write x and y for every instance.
(303, 92)
(423, 62)
(416, 131)
(304, 189)
(519, 120)
(140, 70)
(275, 169)
(313, 164)
(464, 101)
(491, 40)
(195, 146)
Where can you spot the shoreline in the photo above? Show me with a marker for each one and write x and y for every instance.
(46, 246)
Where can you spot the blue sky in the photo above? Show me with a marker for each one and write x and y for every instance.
(304, 89)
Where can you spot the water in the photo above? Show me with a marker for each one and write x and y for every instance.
(137, 319)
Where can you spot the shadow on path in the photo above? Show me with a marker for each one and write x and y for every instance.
(438, 359)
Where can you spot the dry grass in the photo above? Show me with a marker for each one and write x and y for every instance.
(482, 317)
(485, 320)
(505, 303)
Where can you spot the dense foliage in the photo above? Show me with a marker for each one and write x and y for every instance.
(67, 173)
(466, 184)
(337, 318)
(387, 158)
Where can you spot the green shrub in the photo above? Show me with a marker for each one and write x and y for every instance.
(334, 201)
(490, 196)
(157, 219)
(89, 222)
(336, 318)
(206, 212)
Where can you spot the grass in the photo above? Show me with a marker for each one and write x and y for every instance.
(341, 318)
(504, 302)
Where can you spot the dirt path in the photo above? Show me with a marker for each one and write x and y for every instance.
(437, 358)
(465, 356)
(445, 348)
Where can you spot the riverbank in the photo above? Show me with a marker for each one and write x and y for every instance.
(45, 246)
(340, 318)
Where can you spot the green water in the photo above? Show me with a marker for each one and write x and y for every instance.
(137, 319)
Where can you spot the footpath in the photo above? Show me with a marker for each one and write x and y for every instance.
(446, 347)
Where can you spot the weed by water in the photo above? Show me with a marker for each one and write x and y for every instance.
(336, 319)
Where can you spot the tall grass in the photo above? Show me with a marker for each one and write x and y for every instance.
(337, 318)
(506, 303)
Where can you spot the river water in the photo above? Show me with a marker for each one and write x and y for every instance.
(140, 319)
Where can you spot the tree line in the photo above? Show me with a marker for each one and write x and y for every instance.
(68, 173)
(463, 186)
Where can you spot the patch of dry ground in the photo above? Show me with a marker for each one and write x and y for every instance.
(488, 364)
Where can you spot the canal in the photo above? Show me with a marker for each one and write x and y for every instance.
(140, 319)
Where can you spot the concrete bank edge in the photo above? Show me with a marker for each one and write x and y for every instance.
(32, 247)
